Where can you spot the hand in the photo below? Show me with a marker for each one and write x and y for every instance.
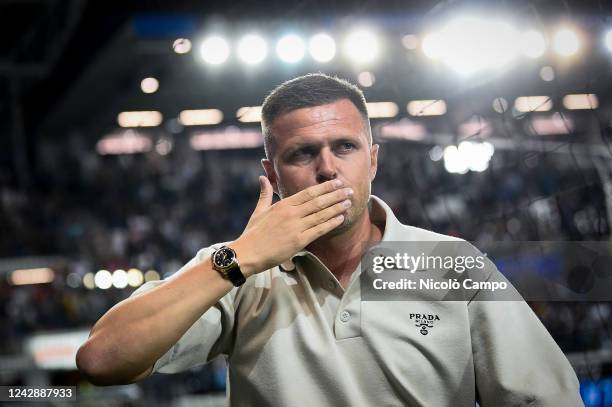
(276, 232)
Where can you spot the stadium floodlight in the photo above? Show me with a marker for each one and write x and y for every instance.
(119, 279)
(147, 118)
(200, 117)
(362, 46)
(181, 45)
(149, 85)
(426, 107)
(404, 129)
(31, 276)
(468, 156)
(608, 40)
(454, 162)
(366, 79)
(526, 104)
(151, 275)
(533, 44)
(88, 281)
(322, 47)
(230, 138)
(252, 49)
(581, 101)
(103, 279)
(377, 110)
(249, 114)
(471, 44)
(433, 45)
(290, 49)
(550, 125)
(135, 277)
(566, 42)
(214, 50)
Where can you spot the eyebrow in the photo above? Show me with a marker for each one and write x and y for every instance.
(340, 139)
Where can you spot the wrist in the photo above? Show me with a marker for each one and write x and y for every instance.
(248, 264)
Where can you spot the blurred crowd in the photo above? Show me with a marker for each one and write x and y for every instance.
(153, 211)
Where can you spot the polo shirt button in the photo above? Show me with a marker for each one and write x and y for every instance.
(345, 316)
(331, 284)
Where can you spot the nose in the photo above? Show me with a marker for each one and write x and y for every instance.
(326, 166)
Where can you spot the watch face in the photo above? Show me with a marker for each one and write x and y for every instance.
(224, 257)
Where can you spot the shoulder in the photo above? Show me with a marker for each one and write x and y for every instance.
(413, 233)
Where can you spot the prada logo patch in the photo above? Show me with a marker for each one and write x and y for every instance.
(424, 321)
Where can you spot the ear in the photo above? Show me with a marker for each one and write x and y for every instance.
(270, 173)
(373, 161)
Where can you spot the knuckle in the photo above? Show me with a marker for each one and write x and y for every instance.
(319, 204)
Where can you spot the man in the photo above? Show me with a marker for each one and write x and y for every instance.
(296, 331)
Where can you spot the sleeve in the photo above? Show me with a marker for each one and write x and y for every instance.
(208, 337)
(516, 361)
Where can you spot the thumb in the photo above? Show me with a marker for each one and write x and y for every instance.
(265, 194)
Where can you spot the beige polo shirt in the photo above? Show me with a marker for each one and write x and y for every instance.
(297, 338)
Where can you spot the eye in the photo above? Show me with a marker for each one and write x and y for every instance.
(347, 146)
(303, 153)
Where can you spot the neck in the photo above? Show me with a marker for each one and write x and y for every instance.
(342, 253)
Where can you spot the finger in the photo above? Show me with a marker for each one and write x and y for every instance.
(319, 230)
(314, 191)
(325, 201)
(265, 194)
(326, 214)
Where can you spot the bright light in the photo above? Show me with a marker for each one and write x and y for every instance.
(120, 279)
(181, 45)
(139, 119)
(550, 125)
(382, 109)
(230, 138)
(88, 281)
(410, 41)
(608, 40)
(436, 153)
(433, 45)
(32, 276)
(454, 162)
(566, 42)
(151, 275)
(163, 146)
(500, 105)
(214, 50)
(103, 279)
(468, 156)
(135, 277)
(200, 117)
(73, 280)
(426, 107)
(290, 49)
(149, 85)
(404, 129)
(547, 73)
(252, 49)
(584, 101)
(470, 44)
(249, 114)
(533, 104)
(366, 79)
(322, 48)
(533, 44)
(476, 126)
(362, 46)
(126, 142)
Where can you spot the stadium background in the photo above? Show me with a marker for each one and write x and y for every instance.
(130, 139)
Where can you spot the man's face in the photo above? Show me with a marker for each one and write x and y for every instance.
(316, 144)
